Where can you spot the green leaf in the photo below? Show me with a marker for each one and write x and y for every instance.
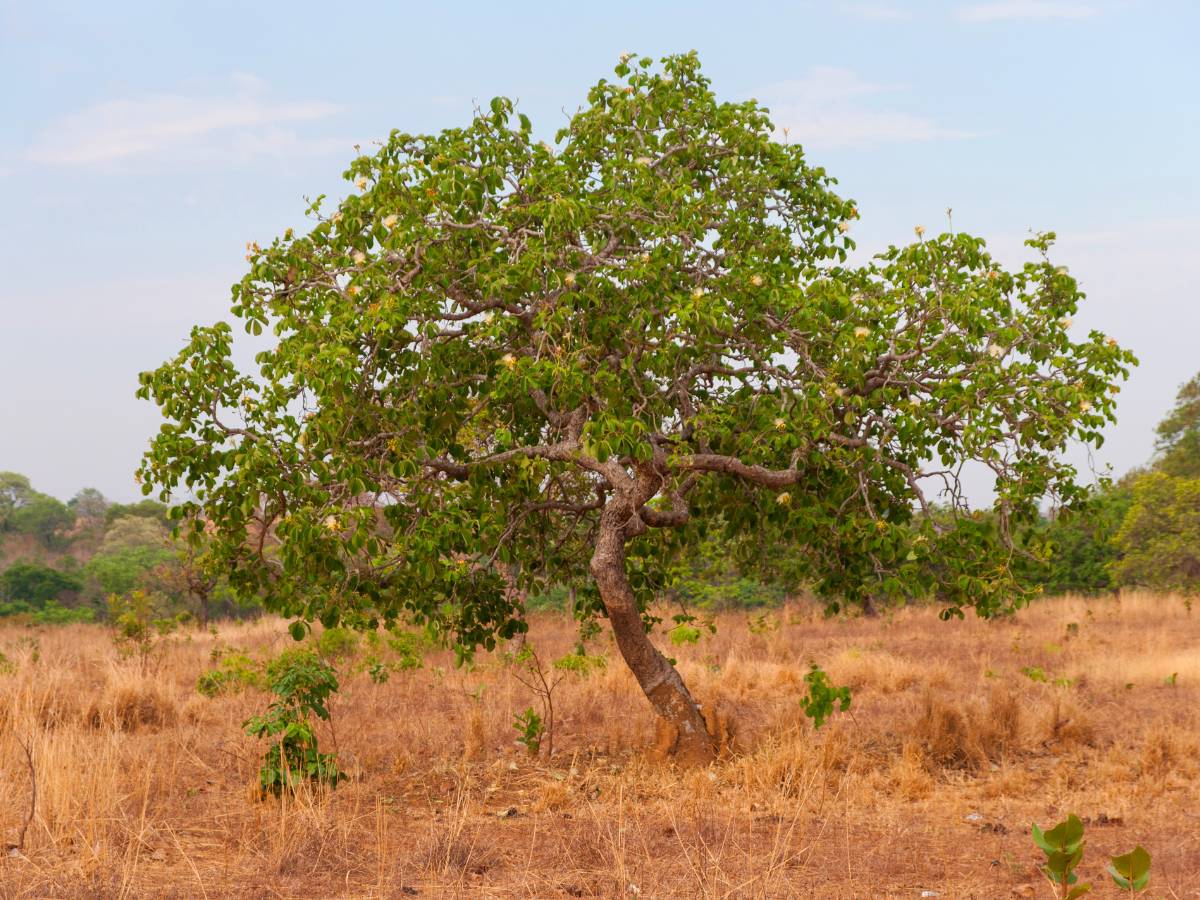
(297, 630)
(1131, 870)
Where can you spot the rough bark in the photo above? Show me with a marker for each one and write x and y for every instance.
(689, 742)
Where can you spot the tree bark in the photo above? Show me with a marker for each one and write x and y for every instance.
(689, 741)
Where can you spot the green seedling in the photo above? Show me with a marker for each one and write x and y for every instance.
(823, 696)
(1131, 872)
(1063, 846)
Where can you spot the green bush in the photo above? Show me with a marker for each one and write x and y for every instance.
(337, 643)
(302, 683)
(234, 673)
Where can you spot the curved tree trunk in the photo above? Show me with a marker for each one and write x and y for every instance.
(689, 741)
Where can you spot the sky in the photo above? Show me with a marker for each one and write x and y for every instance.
(143, 144)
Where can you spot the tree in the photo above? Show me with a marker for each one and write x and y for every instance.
(1160, 536)
(35, 584)
(132, 547)
(44, 517)
(15, 492)
(1076, 549)
(89, 504)
(1179, 434)
(504, 362)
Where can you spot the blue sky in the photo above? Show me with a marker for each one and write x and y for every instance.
(143, 144)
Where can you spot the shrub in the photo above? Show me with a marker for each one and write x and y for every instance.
(302, 683)
(234, 673)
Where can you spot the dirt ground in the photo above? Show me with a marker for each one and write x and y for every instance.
(960, 735)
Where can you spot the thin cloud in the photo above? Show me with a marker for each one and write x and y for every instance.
(1009, 10)
(240, 121)
(832, 107)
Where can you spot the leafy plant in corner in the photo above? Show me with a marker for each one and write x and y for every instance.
(530, 730)
(1131, 872)
(823, 696)
(302, 683)
(1063, 846)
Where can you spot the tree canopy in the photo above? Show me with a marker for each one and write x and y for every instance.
(500, 361)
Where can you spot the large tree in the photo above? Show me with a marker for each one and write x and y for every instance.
(500, 361)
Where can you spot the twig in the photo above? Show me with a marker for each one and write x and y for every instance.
(20, 845)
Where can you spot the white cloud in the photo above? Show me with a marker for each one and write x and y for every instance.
(1007, 10)
(830, 107)
(877, 12)
(239, 121)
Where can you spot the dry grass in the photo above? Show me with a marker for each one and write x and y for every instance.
(146, 789)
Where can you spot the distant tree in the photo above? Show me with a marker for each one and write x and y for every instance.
(1159, 538)
(15, 492)
(89, 503)
(1179, 434)
(132, 547)
(500, 361)
(44, 517)
(143, 509)
(1075, 549)
(36, 584)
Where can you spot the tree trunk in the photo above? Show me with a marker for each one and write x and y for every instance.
(688, 740)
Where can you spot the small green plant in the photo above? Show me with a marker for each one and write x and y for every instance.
(1131, 872)
(542, 681)
(378, 671)
(139, 627)
(7, 666)
(234, 672)
(1172, 680)
(1034, 673)
(823, 696)
(302, 683)
(337, 643)
(764, 623)
(1063, 846)
(530, 730)
(580, 662)
(684, 634)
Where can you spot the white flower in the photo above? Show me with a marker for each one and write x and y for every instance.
(995, 351)
(545, 145)
(359, 257)
(920, 230)
(1112, 341)
(993, 275)
(331, 523)
(646, 256)
(783, 499)
(856, 297)
(697, 293)
(508, 360)
(354, 290)
(780, 424)
(915, 401)
(337, 217)
(361, 184)
(843, 226)
(1065, 322)
(569, 279)
(861, 332)
(643, 160)
(756, 280)
(1063, 270)
(626, 56)
(1085, 405)
(390, 221)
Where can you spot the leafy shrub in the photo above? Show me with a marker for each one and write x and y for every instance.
(530, 730)
(234, 673)
(580, 662)
(337, 643)
(823, 696)
(55, 614)
(302, 683)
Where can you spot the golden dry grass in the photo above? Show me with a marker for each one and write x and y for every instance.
(146, 789)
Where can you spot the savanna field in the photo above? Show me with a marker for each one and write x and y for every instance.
(960, 735)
